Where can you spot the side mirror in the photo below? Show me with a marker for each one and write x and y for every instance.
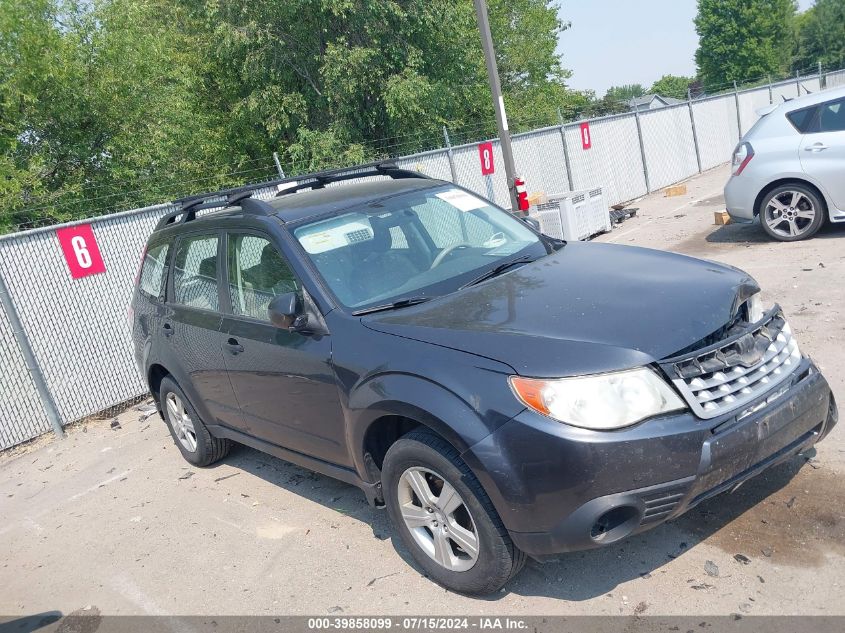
(533, 222)
(286, 312)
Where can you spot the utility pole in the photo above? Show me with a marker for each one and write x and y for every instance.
(498, 101)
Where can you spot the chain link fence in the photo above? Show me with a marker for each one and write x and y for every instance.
(78, 329)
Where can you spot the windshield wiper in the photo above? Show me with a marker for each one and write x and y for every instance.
(498, 270)
(399, 303)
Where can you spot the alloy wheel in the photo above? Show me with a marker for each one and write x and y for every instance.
(438, 519)
(789, 213)
(180, 421)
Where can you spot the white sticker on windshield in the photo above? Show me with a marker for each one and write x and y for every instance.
(462, 200)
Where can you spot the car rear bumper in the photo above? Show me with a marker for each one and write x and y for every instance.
(560, 489)
(740, 194)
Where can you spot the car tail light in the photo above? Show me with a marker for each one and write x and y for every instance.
(742, 156)
(521, 194)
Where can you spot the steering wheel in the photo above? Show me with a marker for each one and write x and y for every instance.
(446, 252)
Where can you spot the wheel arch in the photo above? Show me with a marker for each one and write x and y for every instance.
(388, 406)
(787, 181)
(155, 374)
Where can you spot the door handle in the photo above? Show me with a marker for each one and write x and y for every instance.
(816, 147)
(167, 329)
(233, 346)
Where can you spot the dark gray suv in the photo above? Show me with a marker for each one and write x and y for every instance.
(502, 393)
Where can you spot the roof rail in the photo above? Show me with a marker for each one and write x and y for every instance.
(379, 168)
(243, 199)
(241, 196)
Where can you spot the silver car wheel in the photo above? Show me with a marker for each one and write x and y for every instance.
(789, 213)
(438, 519)
(181, 423)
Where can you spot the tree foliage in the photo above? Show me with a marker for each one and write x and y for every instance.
(125, 102)
(821, 35)
(743, 39)
(672, 86)
(624, 93)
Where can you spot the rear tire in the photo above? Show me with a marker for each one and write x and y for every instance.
(456, 523)
(192, 438)
(792, 212)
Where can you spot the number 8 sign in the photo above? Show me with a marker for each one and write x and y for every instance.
(81, 251)
(485, 153)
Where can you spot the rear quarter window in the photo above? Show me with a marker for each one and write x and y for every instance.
(153, 270)
(803, 120)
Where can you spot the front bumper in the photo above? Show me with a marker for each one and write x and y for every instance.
(560, 489)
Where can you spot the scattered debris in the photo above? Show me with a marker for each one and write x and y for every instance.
(640, 608)
(115, 424)
(645, 575)
(187, 475)
(767, 552)
(790, 503)
(377, 578)
(711, 569)
(618, 216)
(742, 558)
(703, 585)
(745, 607)
(226, 477)
(336, 609)
(760, 578)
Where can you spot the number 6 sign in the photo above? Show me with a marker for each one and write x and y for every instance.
(81, 251)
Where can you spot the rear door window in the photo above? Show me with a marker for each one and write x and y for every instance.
(154, 270)
(195, 273)
(832, 116)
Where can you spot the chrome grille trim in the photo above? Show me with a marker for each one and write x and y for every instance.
(722, 390)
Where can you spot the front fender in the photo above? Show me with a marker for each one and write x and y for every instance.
(431, 404)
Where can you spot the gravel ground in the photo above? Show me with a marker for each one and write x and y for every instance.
(114, 519)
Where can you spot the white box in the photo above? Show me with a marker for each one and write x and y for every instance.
(576, 215)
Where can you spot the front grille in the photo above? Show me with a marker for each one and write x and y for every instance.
(729, 376)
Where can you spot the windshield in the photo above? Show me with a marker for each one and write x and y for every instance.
(419, 244)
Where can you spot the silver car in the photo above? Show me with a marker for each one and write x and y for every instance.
(789, 169)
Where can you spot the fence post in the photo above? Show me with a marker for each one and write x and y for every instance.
(642, 148)
(738, 116)
(450, 155)
(278, 165)
(821, 77)
(29, 358)
(771, 99)
(798, 81)
(694, 132)
(565, 151)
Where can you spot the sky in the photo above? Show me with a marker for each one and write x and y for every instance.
(615, 42)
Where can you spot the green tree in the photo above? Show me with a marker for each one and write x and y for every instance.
(672, 86)
(112, 104)
(743, 39)
(624, 93)
(821, 35)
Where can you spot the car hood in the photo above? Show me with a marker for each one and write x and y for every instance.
(588, 308)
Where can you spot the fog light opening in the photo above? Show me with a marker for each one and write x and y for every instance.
(615, 524)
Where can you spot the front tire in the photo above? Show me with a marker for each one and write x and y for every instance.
(792, 212)
(192, 438)
(445, 518)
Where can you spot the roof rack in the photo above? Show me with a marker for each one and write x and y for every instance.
(242, 196)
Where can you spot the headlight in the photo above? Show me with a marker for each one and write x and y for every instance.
(601, 401)
(754, 307)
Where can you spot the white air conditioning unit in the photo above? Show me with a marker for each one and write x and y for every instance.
(576, 215)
